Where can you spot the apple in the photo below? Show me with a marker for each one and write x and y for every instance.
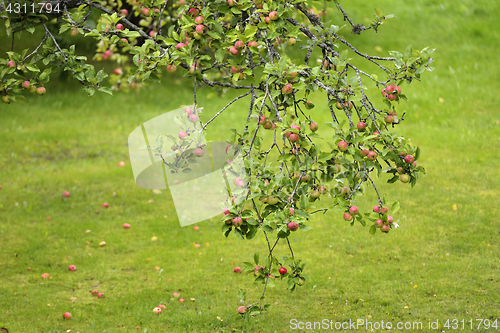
(193, 118)
(305, 178)
(372, 156)
(199, 20)
(397, 90)
(171, 68)
(414, 164)
(6, 99)
(72, 268)
(346, 190)
(48, 217)
(379, 223)
(267, 20)
(189, 111)
(354, 210)
(294, 137)
(237, 269)
(291, 41)
(237, 221)
(125, 40)
(193, 12)
(293, 226)
(401, 170)
(152, 33)
(389, 119)
(262, 120)
(239, 44)
(389, 89)
(145, 11)
(268, 125)
(376, 209)
(180, 46)
(124, 12)
(26, 84)
(182, 300)
(182, 134)
(391, 97)
(409, 159)
(119, 26)
(105, 205)
(126, 226)
(196, 228)
(302, 281)
(157, 310)
(404, 178)
(313, 126)
(314, 194)
(118, 71)
(385, 228)
(40, 91)
(282, 270)
(384, 210)
(287, 89)
(342, 145)
(256, 270)
(199, 152)
(272, 201)
(45, 275)
(67, 315)
(273, 16)
(364, 152)
(361, 126)
(161, 306)
(390, 219)
(100, 295)
(292, 211)
(253, 43)
(309, 105)
(200, 29)
(102, 244)
(175, 295)
(11, 64)
(242, 309)
(347, 217)
(234, 50)
(94, 292)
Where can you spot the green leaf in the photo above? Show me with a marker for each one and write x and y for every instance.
(256, 258)
(379, 12)
(417, 153)
(373, 229)
(394, 207)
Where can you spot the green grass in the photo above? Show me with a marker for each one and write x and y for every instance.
(441, 264)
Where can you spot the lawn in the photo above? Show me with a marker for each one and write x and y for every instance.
(443, 263)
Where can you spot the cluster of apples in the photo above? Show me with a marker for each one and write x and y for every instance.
(391, 92)
(403, 176)
(237, 221)
(384, 222)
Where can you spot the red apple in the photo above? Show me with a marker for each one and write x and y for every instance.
(180, 46)
(199, 20)
(372, 156)
(145, 11)
(100, 295)
(287, 89)
(11, 64)
(379, 223)
(313, 127)
(105, 205)
(294, 137)
(118, 71)
(119, 26)
(94, 292)
(391, 97)
(347, 217)
(409, 159)
(72, 268)
(193, 118)
(124, 12)
(67, 315)
(66, 194)
(242, 309)
(40, 91)
(237, 270)
(376, 209)
(237, 221)
(354, 210)
(293, 226)
(342, 145)
(193, 12)
(365, 152)
(292, 211)
(262, 120)
(233, 50)
(361, 126)
(273, 16)
(282, 270)
(126, 226)
(384, 210)
(26, 84)
(389, 119)
(199, 152)
(385, 228)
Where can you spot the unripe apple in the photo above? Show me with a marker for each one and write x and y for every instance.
(293, 226)
(171, 68)
(346, 190)
(389, 119)
(119, 26)
(401, 170)
(294, 137)
(262, 120)
(385, 228)
(404, 178)
(242, 309)
(314, 194)
(101, 244)
(342, 145)
(273, 15)
(372, 156)
(145, 11)
(199, 152)
(322, 190)
(309, 105)
(268, 125)
(287, 89)
(313, 126)
(347, 217)
(233, 50)
(282, 270)
(291, 41)
(6, 99)
(365, 152)
(253, 43)
(354, 210)
(256, 270)
(199, 20)
(379, 223)
(237, 221)
(237, 269)
(67, 315)
(180, 46)
(272, 201)
(414, 164)
(193, 118)
(11, 63)
(26, 84)
(40, 91)
(409, 159)
(306, 178)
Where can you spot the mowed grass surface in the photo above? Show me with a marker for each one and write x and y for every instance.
(441, 264)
